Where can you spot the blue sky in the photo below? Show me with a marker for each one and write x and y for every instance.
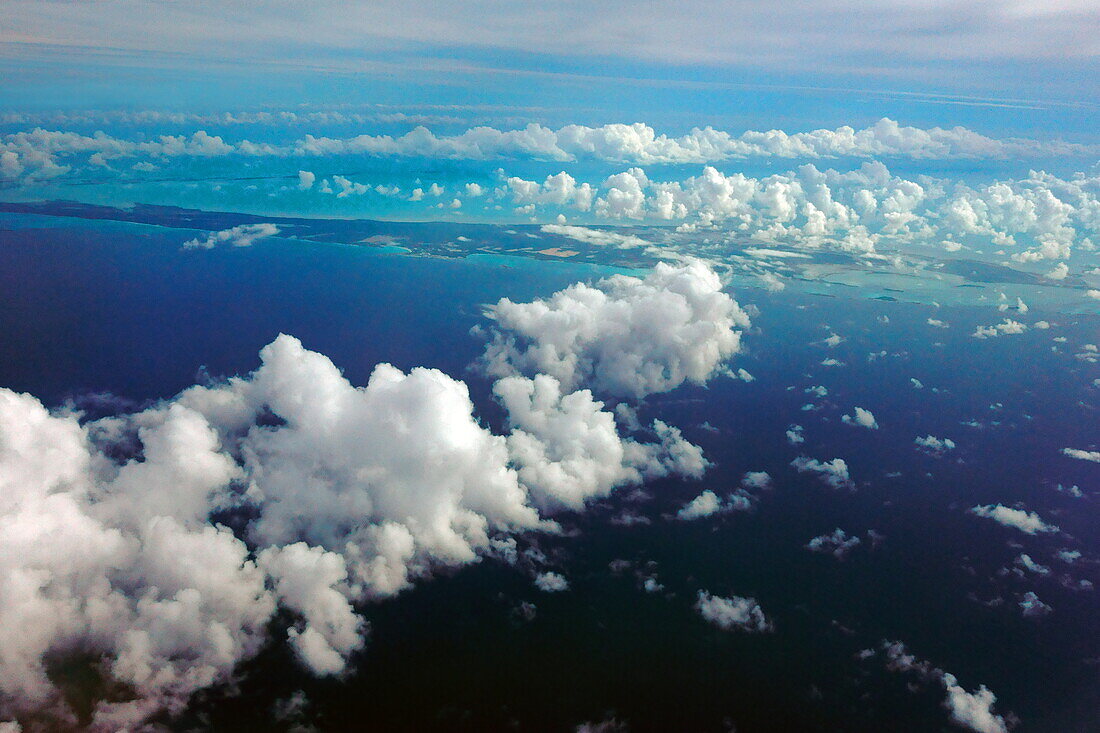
(1004, 66)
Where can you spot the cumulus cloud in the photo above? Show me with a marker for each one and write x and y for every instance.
(834, 472)
(1042, 217)
(551, 582)
(567, 448)
(1026, 522)
(598, 237)
(1005, 327)
(625, 336)
(1084, 455)
(934, 446)
(636, 143)
(1024, 561)
(863, 418)
(971, 710)
(111, 559)
(239, 236)
(1032, 607)
(345, 494)
(756, 480)
(709, 503)
(837, 543)
(560, 190)
(732, 613)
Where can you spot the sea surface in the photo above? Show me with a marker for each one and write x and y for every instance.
(109, 315)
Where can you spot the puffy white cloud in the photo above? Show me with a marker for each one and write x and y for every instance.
(559, 190)
(169, 602)
(837, 543)
(795, 436)
(350, 493)
(1007, 326)
(734, 612)
(1026, 522)
(834, 472)
(756, 480)
(624, 336)
(704, 505)
(863, 418)
(635, 143)
(1025, 562)
(243, 235)
(1041, 216)
(306, 179)
(313, 584)
(1069, 556)
(1084, 455)
(567, 448)
(973, 710)
(550, 582)
(598, 237)
(934, 446)
(346, 187)
(709, 503)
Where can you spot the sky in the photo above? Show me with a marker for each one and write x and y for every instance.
(738, 62)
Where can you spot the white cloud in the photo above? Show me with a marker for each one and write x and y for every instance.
(934, 446)
(637, 144)
(170, 602)
(1084, 455)
(561, 190)
(567, 449)
(1040, 216)
(1027, 522)
(795, 436)
(624, 336)
(1024, 561)
(351, 493)
(709, 503)
(551, 582)
(756, 480)
(1007, 326)
(834, 472)
(863, 418)
(734, 612)
(312, 583)
(837, 543)
(973, 710)
(1032, 607)
(239, 236)
(306, 180)
(598, 237)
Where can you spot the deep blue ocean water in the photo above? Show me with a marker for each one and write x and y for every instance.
(103, 307)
